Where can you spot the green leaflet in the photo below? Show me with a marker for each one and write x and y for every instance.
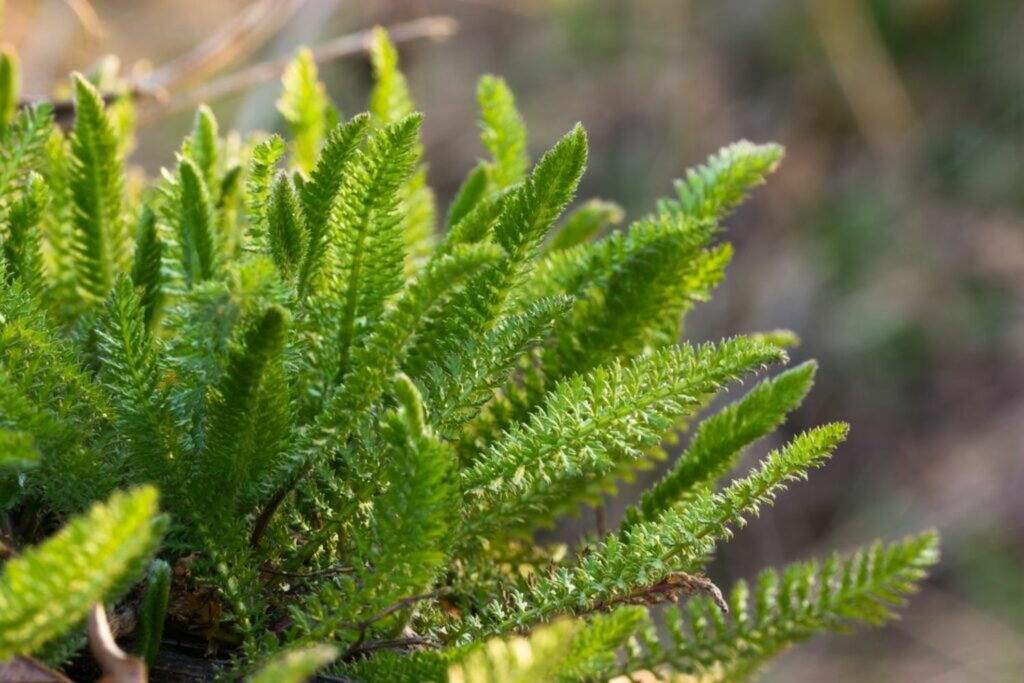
(585, 222)
(286, 237)
(566, 650)
(96, 190)
(248, 413)
(154, 611)
(10, 84)
(203, 148)
(147, 275)
(46, 591)
(720, 439)
(260, 179)
(503, 132)
(680, 540)
(785, 608)
(194, 215)
(24, 144)
(369, 253)
(21, 246)
(390, 101)
(307, 109)
(320, 193)
(711, 191)
(523, 217)
(589, 425)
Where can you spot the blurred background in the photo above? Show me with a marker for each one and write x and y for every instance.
(892, 239)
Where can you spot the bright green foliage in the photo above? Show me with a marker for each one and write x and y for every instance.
(10, 84)
(390, 101)
(248, 415)
(504, 134)
(566, 650)
(202, 146)
(711, 191)
(154, 611)
(17, 450)
(285, 230)
(783, 609)
(260, 179)
(369, 252)
(24, 145)
(591, 425)
(96, 183)
(357, 433)
(586, 221)
(295, 666)
(190, 209)
(305, 106)
(719, 440)
(49, 589)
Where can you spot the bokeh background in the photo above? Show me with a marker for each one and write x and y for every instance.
(892, 239)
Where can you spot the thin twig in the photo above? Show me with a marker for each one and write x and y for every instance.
(434, 28)
(237, 38)
(372, 645)
(363, 626)
(403, 603)
(155, 92)
(330, 571)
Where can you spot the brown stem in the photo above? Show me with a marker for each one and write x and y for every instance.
(372, 645)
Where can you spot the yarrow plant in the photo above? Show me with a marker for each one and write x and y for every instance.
(266, 403)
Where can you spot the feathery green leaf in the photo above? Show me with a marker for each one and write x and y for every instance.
(48, 590)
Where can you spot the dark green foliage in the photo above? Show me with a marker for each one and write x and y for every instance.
(357, 433)
(146, 271)
(320, 193)
(154, 611)
(21, 248)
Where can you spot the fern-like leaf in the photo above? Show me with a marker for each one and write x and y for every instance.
(285, 230)
(503, 134)
(259, 183)
(785, 608)
(307, 109)
(48, 590)
(147, 273)
(721, 438)
(370, 250)
(712, 190)
(10, 85)
(248, 413)
(295, 666)
(680, 540)
(96, 189)
(590, 425)
(21, 245)
(320, 193)
(193, 214)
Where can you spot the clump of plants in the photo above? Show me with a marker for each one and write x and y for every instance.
(274, 404)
